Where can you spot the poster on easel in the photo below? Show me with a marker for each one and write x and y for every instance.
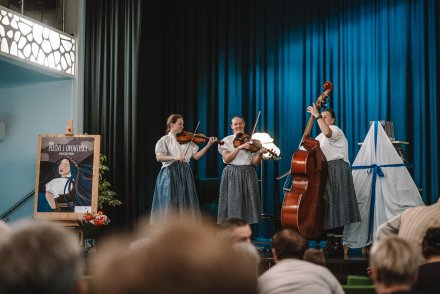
(67, 176)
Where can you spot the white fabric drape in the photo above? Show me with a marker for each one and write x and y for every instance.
(394, 189)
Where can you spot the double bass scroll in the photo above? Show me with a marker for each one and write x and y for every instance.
(303, 207)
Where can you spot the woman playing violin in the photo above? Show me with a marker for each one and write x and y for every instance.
(175, 191)
(239, 195)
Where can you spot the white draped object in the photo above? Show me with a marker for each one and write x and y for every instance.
(384, 188)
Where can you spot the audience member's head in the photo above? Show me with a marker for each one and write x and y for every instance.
(237, 229)
(431, 243)
(40, 257)
(394, 263)
(4, 229)
(315, 256)
(248, 255)
(288, 244)
(179, 258)
(427, 278)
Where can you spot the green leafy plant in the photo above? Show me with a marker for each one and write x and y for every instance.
(105, 194)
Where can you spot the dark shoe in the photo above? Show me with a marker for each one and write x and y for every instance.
(329, 244)
(335, 249)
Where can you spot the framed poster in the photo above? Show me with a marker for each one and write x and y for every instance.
(67, 177)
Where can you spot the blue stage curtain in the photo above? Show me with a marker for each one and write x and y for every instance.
(211, 59)
(274, 56)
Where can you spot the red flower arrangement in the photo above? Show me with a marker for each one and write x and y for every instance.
(98, 219)
(91, 224)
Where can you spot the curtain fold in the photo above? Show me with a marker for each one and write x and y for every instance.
(209, 60)
(111, 95)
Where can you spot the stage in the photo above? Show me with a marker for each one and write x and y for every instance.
(355, 263)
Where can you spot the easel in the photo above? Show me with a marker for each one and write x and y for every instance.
(69, 128)
(83, 154)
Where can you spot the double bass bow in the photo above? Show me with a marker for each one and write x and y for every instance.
(303, 207)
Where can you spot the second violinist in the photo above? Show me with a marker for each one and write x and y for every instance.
(175, 192)
(239, 195)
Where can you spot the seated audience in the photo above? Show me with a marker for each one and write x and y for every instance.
(428, 280)
(315, 256)
(40, 257)
(179, 257)
(291, 274)
(239, 232)
(393, 265)
(237, 229)
(249, 255)
(412, 224)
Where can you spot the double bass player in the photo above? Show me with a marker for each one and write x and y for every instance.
(341, 206)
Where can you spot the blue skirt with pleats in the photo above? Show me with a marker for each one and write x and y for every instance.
(175, 194)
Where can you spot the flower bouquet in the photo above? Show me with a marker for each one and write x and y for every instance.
(90, 225)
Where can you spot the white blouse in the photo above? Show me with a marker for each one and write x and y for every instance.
(335, 147)
(56, 186)
(243, 157)
(168, 145)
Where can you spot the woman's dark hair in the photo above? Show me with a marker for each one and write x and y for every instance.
(431, 243)
(237, 116)
(332, 113)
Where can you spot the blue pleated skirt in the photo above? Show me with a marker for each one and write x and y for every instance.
(175, 194)
(239, 195)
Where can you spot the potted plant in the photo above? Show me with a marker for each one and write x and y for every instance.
(105, 195)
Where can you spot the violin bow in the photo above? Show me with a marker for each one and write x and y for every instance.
(255, 125)
(253, 131)
(192, 138)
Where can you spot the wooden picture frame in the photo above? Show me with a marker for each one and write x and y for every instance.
(67, 176)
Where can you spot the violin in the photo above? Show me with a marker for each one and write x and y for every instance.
(186, 137)
(254, 145)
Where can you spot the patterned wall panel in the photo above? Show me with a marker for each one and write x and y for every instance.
(34, 42)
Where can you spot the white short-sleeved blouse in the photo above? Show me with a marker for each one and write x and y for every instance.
(56, 186)
(335, 147)
(168, 145)
(243, 157)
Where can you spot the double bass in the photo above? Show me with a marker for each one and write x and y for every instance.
(303, 207)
